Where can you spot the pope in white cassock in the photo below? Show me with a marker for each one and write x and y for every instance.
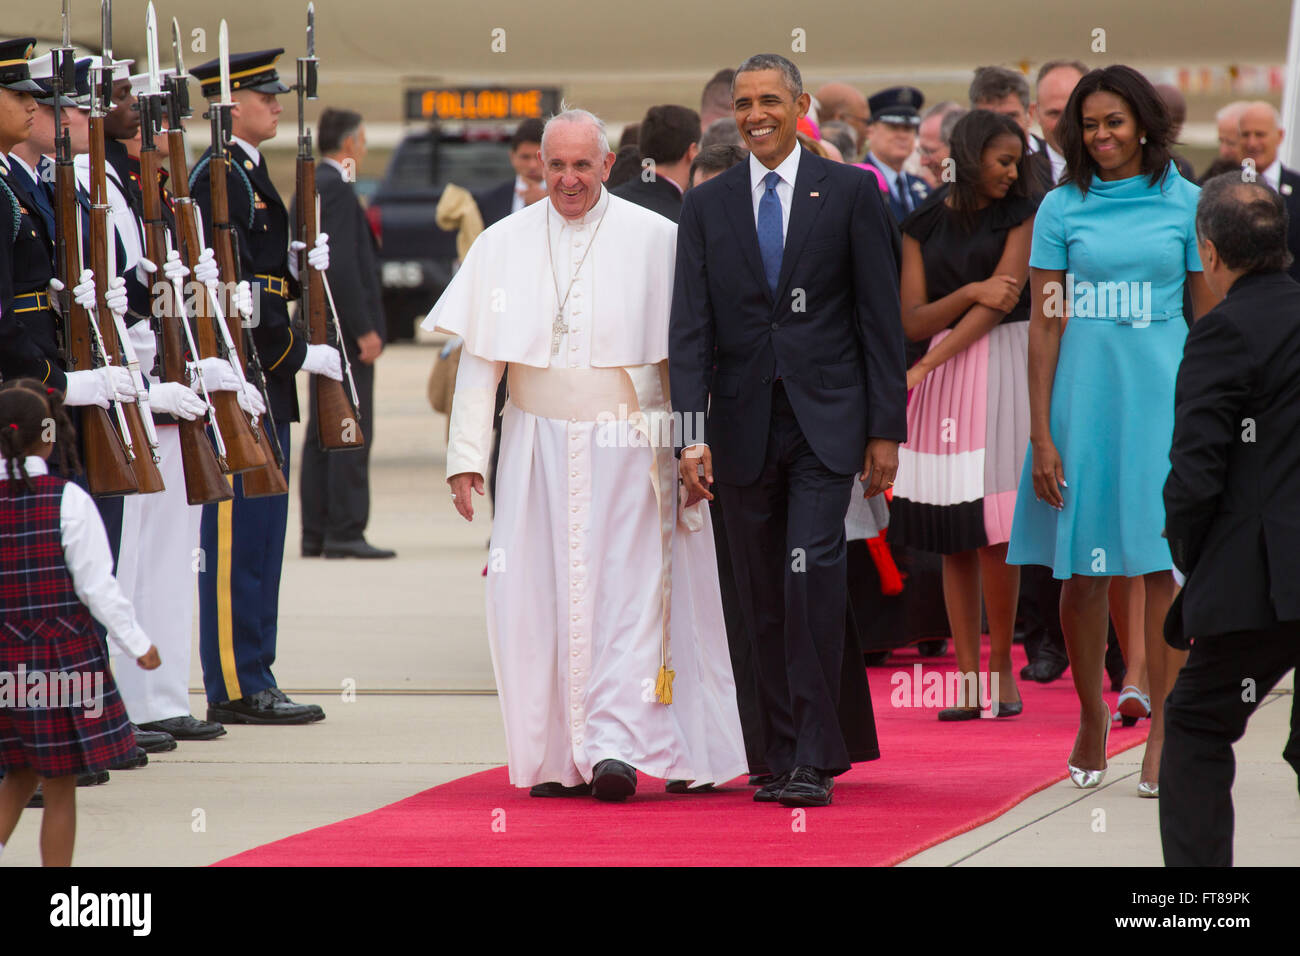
(603, 608)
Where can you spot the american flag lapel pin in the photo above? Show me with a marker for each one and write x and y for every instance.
(814, 195)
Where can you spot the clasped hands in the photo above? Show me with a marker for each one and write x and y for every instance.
(879, 466)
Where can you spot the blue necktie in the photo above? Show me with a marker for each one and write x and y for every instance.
(771, 243)
(902, 193)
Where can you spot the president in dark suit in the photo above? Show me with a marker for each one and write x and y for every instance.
(786, 366)
(1232, 513)
(335, 485)
(669, 140)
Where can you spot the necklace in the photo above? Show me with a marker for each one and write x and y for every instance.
(559, 328)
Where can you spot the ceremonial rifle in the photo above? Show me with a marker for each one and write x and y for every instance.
(337, 425)
(231, 425)
(105, 458)
(270, 479)
(117, 344)
(204, 483)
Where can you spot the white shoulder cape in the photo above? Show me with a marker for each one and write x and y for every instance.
(502, 301)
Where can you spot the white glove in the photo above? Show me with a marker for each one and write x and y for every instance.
(176, 399)
(84, 291)
(205, 270)
(323, 360)
(115, 296)
(250, 399)
(218, 375)
(244, 300)
(121, 383)
(174, 269)
(144, 268)
(318, 257)
(88, 387)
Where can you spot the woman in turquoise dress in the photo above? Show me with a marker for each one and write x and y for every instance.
(1113, 246)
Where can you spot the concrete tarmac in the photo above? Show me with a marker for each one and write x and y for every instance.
(395, 653)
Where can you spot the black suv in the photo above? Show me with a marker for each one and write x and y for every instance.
(416, 257)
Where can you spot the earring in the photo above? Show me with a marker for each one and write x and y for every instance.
(1143, 140)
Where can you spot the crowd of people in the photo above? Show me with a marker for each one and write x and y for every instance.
(1046, 287)
(984, 326)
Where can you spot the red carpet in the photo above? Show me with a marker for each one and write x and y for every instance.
(933, 782)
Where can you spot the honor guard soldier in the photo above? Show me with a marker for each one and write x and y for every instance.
(891, 137)
(243, 539)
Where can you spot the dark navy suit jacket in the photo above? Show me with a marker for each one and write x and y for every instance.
(833, 325)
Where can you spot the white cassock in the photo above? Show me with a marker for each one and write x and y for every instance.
(593, 563)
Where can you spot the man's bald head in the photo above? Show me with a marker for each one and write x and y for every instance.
(1260, 134)
(840, 101)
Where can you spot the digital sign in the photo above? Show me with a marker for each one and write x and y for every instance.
(482, 103)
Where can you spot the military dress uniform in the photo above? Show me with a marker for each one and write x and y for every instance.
(243, 539)
(899, 106)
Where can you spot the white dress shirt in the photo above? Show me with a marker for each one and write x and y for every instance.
(1273, 175)
(517, 200)
(90, 563)
(788, 170)
(1058, 163)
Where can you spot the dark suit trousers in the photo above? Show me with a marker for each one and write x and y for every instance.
(786, 536)
(335, 486)
(1204, 716)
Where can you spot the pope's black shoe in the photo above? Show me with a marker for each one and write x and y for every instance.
(360, 548)
(153, 741)
(269, 706)
(808, 787)
(613, 780)
(770, 792)
(684, 786)
(554, 789)
(186, 728)
(311, 549)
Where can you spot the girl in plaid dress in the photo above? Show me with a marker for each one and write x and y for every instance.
(60, 713)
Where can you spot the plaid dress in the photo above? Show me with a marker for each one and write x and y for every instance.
(49, 652)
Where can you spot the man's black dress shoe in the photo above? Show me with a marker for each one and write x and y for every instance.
(282, 698)
(153, 741)
(137, 759)
(613, 780)
(92, 779)
(186, 728)
(553, 789)
(760, 779)
(808, 787)
(1044, 669)
(269, 706)
(770, 792)
(359, 548)
(312, 549)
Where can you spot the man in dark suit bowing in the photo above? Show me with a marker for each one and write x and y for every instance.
(1232, 513)
(785, 342)
(669, 138)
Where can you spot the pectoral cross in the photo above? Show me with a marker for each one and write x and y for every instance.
(558, 330)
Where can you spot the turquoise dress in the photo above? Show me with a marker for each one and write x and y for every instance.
(1126, 248)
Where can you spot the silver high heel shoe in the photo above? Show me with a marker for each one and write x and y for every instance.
(1151, 790)
(1087, 779)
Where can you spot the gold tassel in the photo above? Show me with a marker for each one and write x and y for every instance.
(664, 686)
